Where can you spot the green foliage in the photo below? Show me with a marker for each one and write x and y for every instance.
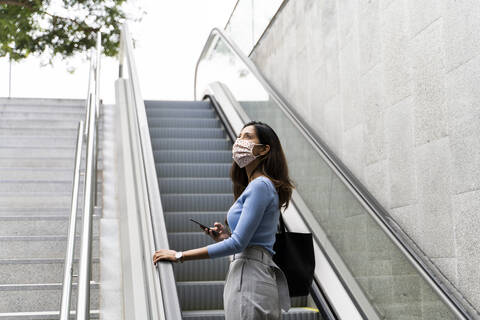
(66, 28)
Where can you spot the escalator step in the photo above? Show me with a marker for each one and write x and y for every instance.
(200, 295)
(181, 113)
(194, 185)
(182, 123)
(208, 295)
(202, 270)
(193, 156)
(296, 313)
(187, 132)
(190, 144)
(177, 104)
(179, 221)
(206, 170)
(181, 241)
(196, 201)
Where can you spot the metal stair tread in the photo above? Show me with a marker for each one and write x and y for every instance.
(73, 137)
(52, 103)
(40, 260)
(72, 130)
(41, 194)
(41, 238)
(221, 311)
(180, 104)
(202, 282)
(194, 212)
(41, 286)
(193, 164)
(59, 112)
(59, 157)
(39, 109)
(155, 129)
(173, 109)
(42, 181)
(211, 312)
(61, 102)
(195, 194)
(193, 151)
(193, 178)
(46, 217)
(46, 180)
(72, 147)
(66, 121)
(38, 169)
(179, 118)
(46, 209)
(54, 158)
(35, 116)
(190, 139)
(41, 314)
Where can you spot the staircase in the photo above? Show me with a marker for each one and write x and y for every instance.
(193, 157)
(37, 146)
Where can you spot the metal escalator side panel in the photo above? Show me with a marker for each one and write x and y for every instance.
(157, 280)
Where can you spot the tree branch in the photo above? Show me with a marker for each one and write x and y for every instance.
(16, 3)
(83, 25)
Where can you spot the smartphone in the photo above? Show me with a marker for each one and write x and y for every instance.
(215, 233)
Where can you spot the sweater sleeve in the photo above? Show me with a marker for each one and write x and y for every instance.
(256, 200)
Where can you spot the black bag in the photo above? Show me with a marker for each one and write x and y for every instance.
(294, 255)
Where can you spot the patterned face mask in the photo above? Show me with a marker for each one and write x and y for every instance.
(243, 152)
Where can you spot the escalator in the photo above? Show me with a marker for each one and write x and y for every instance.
(193, 157)
(366, 266)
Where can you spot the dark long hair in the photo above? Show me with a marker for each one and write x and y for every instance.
(273, 165)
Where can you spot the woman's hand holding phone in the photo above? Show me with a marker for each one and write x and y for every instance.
(222, 232)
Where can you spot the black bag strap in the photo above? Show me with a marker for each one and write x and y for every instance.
(282, 224)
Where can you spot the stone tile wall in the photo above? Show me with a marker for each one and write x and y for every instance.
(393, 87)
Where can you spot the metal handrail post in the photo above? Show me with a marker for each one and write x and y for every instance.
(97, 111)
(87, 109)
(95, 163)
(87, 130)
(84, 266)
(97, 73)
(68, 265)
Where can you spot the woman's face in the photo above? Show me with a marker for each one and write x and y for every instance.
(248, 133)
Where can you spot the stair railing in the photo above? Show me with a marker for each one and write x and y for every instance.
(87, 131)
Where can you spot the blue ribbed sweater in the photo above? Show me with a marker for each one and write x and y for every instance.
(252, 218)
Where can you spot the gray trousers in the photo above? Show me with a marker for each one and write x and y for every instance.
(252, 287)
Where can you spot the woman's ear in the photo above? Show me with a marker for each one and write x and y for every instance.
(266, 149)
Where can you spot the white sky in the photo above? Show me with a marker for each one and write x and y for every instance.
(169, 40)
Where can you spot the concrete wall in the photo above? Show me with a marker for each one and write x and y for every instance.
(393, 87)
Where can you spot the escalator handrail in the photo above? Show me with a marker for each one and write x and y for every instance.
(166, 298)
(429, 272)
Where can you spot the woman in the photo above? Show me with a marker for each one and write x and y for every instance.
(255, 288)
